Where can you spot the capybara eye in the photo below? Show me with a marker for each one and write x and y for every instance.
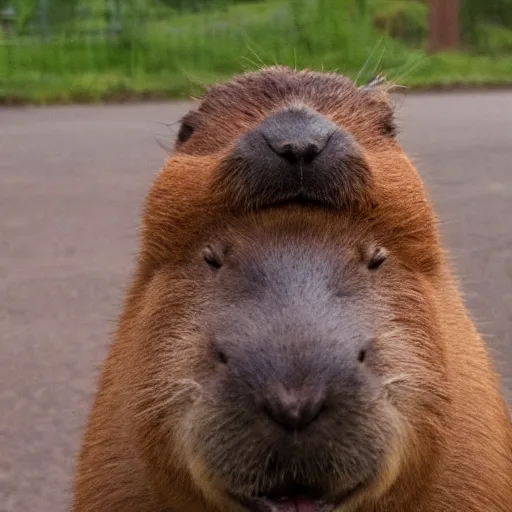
(212, 258)
(185, 132)
(188, 127)
(362, 356)
(378, 258)
(389, 128)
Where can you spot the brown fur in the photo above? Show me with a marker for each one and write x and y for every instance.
(454, 452)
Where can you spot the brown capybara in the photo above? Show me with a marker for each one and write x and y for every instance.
(294, 339)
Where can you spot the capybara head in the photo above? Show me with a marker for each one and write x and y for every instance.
(283, 320)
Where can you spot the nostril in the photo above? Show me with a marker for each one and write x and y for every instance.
(284, 148)
(362, 356)
(292, 411)
(298, 135)
(296, 152)
(310, 153)
(316, 410)
(288, 151)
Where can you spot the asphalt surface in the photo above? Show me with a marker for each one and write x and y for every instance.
(71, 185)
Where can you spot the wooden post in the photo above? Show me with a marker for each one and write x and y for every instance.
(443, 25)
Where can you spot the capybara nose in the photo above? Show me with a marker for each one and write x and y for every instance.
(295, 153)
(294, 409)
(297, 135)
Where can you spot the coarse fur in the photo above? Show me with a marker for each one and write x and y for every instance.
(167, 431)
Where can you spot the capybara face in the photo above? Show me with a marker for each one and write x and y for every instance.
(286, 336)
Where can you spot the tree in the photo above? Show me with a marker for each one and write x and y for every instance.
(443, 25)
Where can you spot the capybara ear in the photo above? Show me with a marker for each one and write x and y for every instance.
(178, 210)
(379, 87)
(403, 219)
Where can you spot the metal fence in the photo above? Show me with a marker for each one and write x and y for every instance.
(45, 17)
(51, 39)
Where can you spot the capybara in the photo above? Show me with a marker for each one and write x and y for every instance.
(294, 339)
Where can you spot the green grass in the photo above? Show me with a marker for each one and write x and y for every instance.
(441, 71)
(170, 56)
(462, 70)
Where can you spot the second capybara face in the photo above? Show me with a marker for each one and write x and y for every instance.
(287, 328)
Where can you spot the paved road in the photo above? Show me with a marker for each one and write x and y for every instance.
(71, 183)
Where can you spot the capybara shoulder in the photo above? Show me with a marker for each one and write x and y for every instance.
(294, 339)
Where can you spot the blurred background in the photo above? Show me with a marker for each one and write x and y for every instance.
(61, 50)
(73, 177)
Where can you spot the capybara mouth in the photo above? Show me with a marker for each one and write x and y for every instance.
(296, 498)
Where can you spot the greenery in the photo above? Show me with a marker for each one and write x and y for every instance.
(119, 49)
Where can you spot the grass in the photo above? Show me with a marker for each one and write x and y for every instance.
(171, 56)
(462, 70)
(441, 71)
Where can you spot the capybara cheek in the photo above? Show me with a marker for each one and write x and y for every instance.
(399, 441)
(192, 430)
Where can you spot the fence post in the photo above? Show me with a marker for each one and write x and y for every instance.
(43, 17)
(114, 15)
(443, 25)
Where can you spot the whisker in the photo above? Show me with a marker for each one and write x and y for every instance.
(159, 404)
(379, 62)
(159, 138)
(256, 55)
(377, 80)
(365, 65)
(168, 125)
(408, 71)
(396, 379)
(165, 147)
(253, 63)
(191, 382)
(194, 81)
